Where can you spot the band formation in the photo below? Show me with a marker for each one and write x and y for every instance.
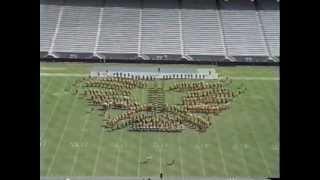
(200, 101)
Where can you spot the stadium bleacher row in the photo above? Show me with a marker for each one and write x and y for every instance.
(192, 30)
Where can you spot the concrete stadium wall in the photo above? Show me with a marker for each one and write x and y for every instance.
(221, 63)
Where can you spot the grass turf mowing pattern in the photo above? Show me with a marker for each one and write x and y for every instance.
(243, 141)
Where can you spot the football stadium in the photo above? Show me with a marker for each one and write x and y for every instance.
(159, 89)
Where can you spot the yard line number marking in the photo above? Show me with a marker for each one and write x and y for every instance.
(199, 147)
(98, 153)
(259, 149)
(138, 170)
(241, 147)
(53, 110)
(75, 157)
(221, 153)
(181, 161)
(120, 146)
(46, 89)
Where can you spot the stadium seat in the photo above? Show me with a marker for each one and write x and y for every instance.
(201, 28)
(160, 27)
(48, 20)
(269, 13)
(119, 27)
(78, 29)
(186, 30)
(243, 35)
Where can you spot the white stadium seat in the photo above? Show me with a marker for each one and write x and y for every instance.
(161, 27)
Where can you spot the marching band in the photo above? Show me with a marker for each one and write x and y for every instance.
(201, 98)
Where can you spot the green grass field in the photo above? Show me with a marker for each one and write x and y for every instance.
(243, 141)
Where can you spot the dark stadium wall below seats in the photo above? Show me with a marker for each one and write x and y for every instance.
(53, 2)
(99, 3)
(218, 63)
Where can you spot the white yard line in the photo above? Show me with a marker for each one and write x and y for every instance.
(53, 110)
(221, 154)
(45, 90)
(242, 151)
(160, 153)
(139, 156)
(75, 157)
(243, 157)
(245, 161)
(118, 154)
(260, 151)
(98, 153)
(62, 135)
(181, 162)
(265, 103)
(200, 156)
(160, 167)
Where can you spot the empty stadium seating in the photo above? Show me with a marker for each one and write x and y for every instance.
(119, 27)
(78, 29)
(160, 27)
(269, 13)
(48, 20)
(201, 29)
(243, 35)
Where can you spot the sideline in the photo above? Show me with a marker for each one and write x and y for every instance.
(52, 68)
(231, 77)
